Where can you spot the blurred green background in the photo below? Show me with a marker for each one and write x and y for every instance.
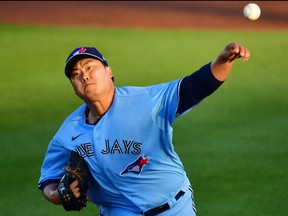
(234, 145)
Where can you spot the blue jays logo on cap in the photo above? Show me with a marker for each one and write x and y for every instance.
(78, 50)
(80, 53)
(136, 166)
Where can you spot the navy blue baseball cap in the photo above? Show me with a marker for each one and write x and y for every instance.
(80, 53)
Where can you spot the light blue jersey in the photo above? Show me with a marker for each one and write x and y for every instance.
(129, 151)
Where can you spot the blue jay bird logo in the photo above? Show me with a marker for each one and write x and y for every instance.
(79, 50)
(136, 166)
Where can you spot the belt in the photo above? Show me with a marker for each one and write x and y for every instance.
(162, 208)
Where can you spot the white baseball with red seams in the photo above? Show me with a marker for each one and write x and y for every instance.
(252, 11)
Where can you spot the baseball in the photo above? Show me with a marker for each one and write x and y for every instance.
(252, 11)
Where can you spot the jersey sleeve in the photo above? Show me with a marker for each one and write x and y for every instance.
(52, 168)
(58, 150)
(173, 99)
(164, 100)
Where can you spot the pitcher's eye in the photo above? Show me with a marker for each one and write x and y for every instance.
(74, 74)
(89, 68)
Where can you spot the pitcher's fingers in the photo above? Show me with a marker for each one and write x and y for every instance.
(243, 53)
(246, 54)
(74, 184)
(234, 56)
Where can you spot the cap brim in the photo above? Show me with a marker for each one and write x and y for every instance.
(73, 60)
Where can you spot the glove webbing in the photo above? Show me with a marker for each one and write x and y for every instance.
(74, 172)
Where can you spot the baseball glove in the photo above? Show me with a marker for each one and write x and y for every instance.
(75, 170)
